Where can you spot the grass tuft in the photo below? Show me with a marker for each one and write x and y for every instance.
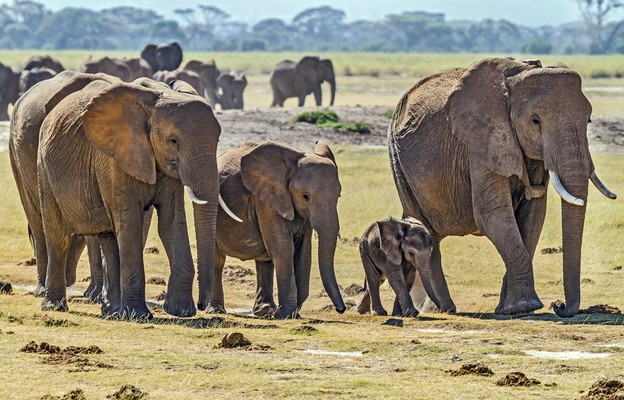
(329, 119)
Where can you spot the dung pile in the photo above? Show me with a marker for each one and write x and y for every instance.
(517, 378)
(472, 369)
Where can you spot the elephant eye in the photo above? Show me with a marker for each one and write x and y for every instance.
(306, 197)
(536, 121)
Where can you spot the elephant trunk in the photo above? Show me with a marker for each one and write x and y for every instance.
(332, 82)
(425, 277)
(328, 235)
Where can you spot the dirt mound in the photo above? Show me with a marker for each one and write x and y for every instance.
(353, 290)
(29, 263)
(472, 369)
(605, 389)
(46, 348)
(517, 378)
(234, 339)
(600, 309)
(151, 250)
(156, 280)
(236, 273)
(305, 329)
(552, 250)
(330, 307)
(128, 392)
(76, 394)
(161, 296)
(80, 363)
(49, 321)
(5, 287)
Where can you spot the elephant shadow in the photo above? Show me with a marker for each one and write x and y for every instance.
(579, 319)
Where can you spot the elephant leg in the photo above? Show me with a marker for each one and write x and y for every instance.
(78, 244)
(440, 287)
(301, 98)
(216, 305)
(4, 114)
(173, 232)
(303, 265)
(494, 215)
(318, 95)
(111, 286)
(373, 282)
(41, 257)
(94, 290)
(365, 304)
(403, 299)
(264, 304)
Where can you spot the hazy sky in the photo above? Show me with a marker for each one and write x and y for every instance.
(524, 12)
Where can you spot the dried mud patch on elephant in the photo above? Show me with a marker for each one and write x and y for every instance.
(605, 389)
(76, 394)
(517, 378)
(479, 369)
(128, 392)
(600, 309)
(156, 280)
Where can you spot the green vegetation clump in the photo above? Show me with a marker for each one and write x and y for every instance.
(389, 113)
(329, 119)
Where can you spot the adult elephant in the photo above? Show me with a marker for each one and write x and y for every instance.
(9, 90)
(290, 79)
(30, 77)
(189, 77)
(107, 65)
(163, 57)
(283, 195)
(139, 68)
(130, 146)
(46, 61)
(232, 86)
(208, 73)
(471, 151)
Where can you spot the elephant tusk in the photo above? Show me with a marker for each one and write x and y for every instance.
(227, 210)
(601, 187)
(193, 197)
(561, 191)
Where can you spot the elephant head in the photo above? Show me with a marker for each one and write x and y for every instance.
(507, 112)
(232, 86)
(208, 72)
(9, 89)
(293, 183)
(189, 77)
(312, 72)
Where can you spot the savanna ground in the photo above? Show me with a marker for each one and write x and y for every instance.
(326, 354)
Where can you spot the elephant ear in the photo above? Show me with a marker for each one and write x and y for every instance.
(176, 54)
(265, 171)
(77, 82)
(322, 149)
(149, 55)
(308, 68)
(182, 87)
(116, 122)
(478, 112)
(391, 232)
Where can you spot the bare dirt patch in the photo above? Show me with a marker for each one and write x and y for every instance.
(472, 369)
(517, 378)
(605, 389)
(236, 273)
(46, 348)
(600, 309)
(49, 321)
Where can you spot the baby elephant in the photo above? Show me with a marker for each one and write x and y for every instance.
(395, 249)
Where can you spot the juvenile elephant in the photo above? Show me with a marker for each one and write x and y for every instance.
(208, 73)
(189, 77)
(290, 79)
(163, 57)
(9, 90)
(107, 153)
(395, 249)
(282, 195)
(46, 61)
(30, 77)
(472, 150)
(232, 86)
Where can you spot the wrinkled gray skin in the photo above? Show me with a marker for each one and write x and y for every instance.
(290, 79)
(163, 57)
(208, 73)
(108, 66)
(125, 152)
(29, 78)
(9, 90)
(282, 195)
(470, 149)
(395, 249)
(232, 86)
(189, 77)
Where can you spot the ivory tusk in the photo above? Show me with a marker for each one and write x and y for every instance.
(601, 187)
(227, 210)
(561, 191)
(191, 194)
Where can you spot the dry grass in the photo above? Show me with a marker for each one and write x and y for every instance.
(171, 358)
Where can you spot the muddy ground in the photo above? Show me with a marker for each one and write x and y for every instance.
(260, 124)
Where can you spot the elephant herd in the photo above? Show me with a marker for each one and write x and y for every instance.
(471, 151)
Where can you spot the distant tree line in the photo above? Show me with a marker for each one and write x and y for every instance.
(26, 24)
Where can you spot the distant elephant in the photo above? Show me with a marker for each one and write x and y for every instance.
(108, 66)
(290, 79)
(139, 68)
(232, 86)
(29, 78)
(9, 90)
(44, 61)
(284, 195)
(189, 77)
(163, 57)
(208, 72)
(472, 150)
(395, 249)
(130, 146)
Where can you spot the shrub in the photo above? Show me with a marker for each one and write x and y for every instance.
(329, 119)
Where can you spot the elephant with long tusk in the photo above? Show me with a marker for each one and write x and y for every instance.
(472, 151)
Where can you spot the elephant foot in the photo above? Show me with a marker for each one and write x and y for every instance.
(138, 312)
(70, 278)
(54, 305)
(93, 292)
(565, 311)
(216, 309)
(39, 291)
(286, 312)
(411, 313)
(520, 299)
(203, 301)
(264, 309)
(179, 306)
(380, 312)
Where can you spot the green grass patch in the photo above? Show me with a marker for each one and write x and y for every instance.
(329, 119)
